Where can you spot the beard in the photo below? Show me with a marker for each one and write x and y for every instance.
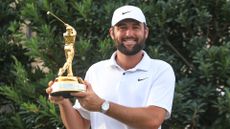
(137, 48)
(139, 45)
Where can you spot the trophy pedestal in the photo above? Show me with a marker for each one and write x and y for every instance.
(63, 86)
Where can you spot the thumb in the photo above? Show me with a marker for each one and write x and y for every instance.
(88, 85)
(48, 90)
(50, 83)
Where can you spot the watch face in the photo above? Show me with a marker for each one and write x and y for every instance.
(105, 106)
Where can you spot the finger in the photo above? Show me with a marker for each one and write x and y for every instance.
(78, 94)
(88, 85)
(80, 80)
(59, 98)
(50, 83)
(48, 90)
(51, 99)
(55, 99)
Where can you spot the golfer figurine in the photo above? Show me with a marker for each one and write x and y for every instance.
(69, 36)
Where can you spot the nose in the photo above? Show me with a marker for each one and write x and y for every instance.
(129, 32)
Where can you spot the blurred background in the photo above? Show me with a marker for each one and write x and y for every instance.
(191, 35)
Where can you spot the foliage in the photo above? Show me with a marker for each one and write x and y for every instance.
(193, 36)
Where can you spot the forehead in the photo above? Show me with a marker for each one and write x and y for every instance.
(128, 21)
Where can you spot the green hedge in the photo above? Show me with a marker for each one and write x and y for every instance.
(193, 36)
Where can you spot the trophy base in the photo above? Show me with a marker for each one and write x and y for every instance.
(63, 86)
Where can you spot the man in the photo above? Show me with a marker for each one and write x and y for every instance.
(129, 90)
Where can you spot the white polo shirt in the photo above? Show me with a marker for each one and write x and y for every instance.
(151, 82)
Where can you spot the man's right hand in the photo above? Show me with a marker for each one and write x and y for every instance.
(70, 116)
(54, 99)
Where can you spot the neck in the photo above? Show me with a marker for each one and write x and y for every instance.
(128, 62)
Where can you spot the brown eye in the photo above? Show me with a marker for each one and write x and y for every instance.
(122, 27)
(136, 27)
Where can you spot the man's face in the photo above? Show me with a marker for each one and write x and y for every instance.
(129, 36)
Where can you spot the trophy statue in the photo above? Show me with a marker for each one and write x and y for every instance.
(64, 85)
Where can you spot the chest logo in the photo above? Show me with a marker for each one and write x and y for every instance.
(141, 79)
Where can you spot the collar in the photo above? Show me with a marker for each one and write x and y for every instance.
(143, 65)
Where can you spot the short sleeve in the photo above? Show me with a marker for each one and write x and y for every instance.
(84, 113)
(162, 91)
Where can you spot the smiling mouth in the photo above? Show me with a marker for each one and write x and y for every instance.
(130, 40)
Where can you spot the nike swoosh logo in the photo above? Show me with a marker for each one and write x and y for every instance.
(141, 79)
(123, 13)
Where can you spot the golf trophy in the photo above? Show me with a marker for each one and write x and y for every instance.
(64, 85)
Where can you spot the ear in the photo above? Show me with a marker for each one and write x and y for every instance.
(111, 32)
(146, 32)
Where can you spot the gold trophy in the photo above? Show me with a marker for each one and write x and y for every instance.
(64, 85)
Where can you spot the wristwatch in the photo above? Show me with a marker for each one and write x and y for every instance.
(105, 106)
